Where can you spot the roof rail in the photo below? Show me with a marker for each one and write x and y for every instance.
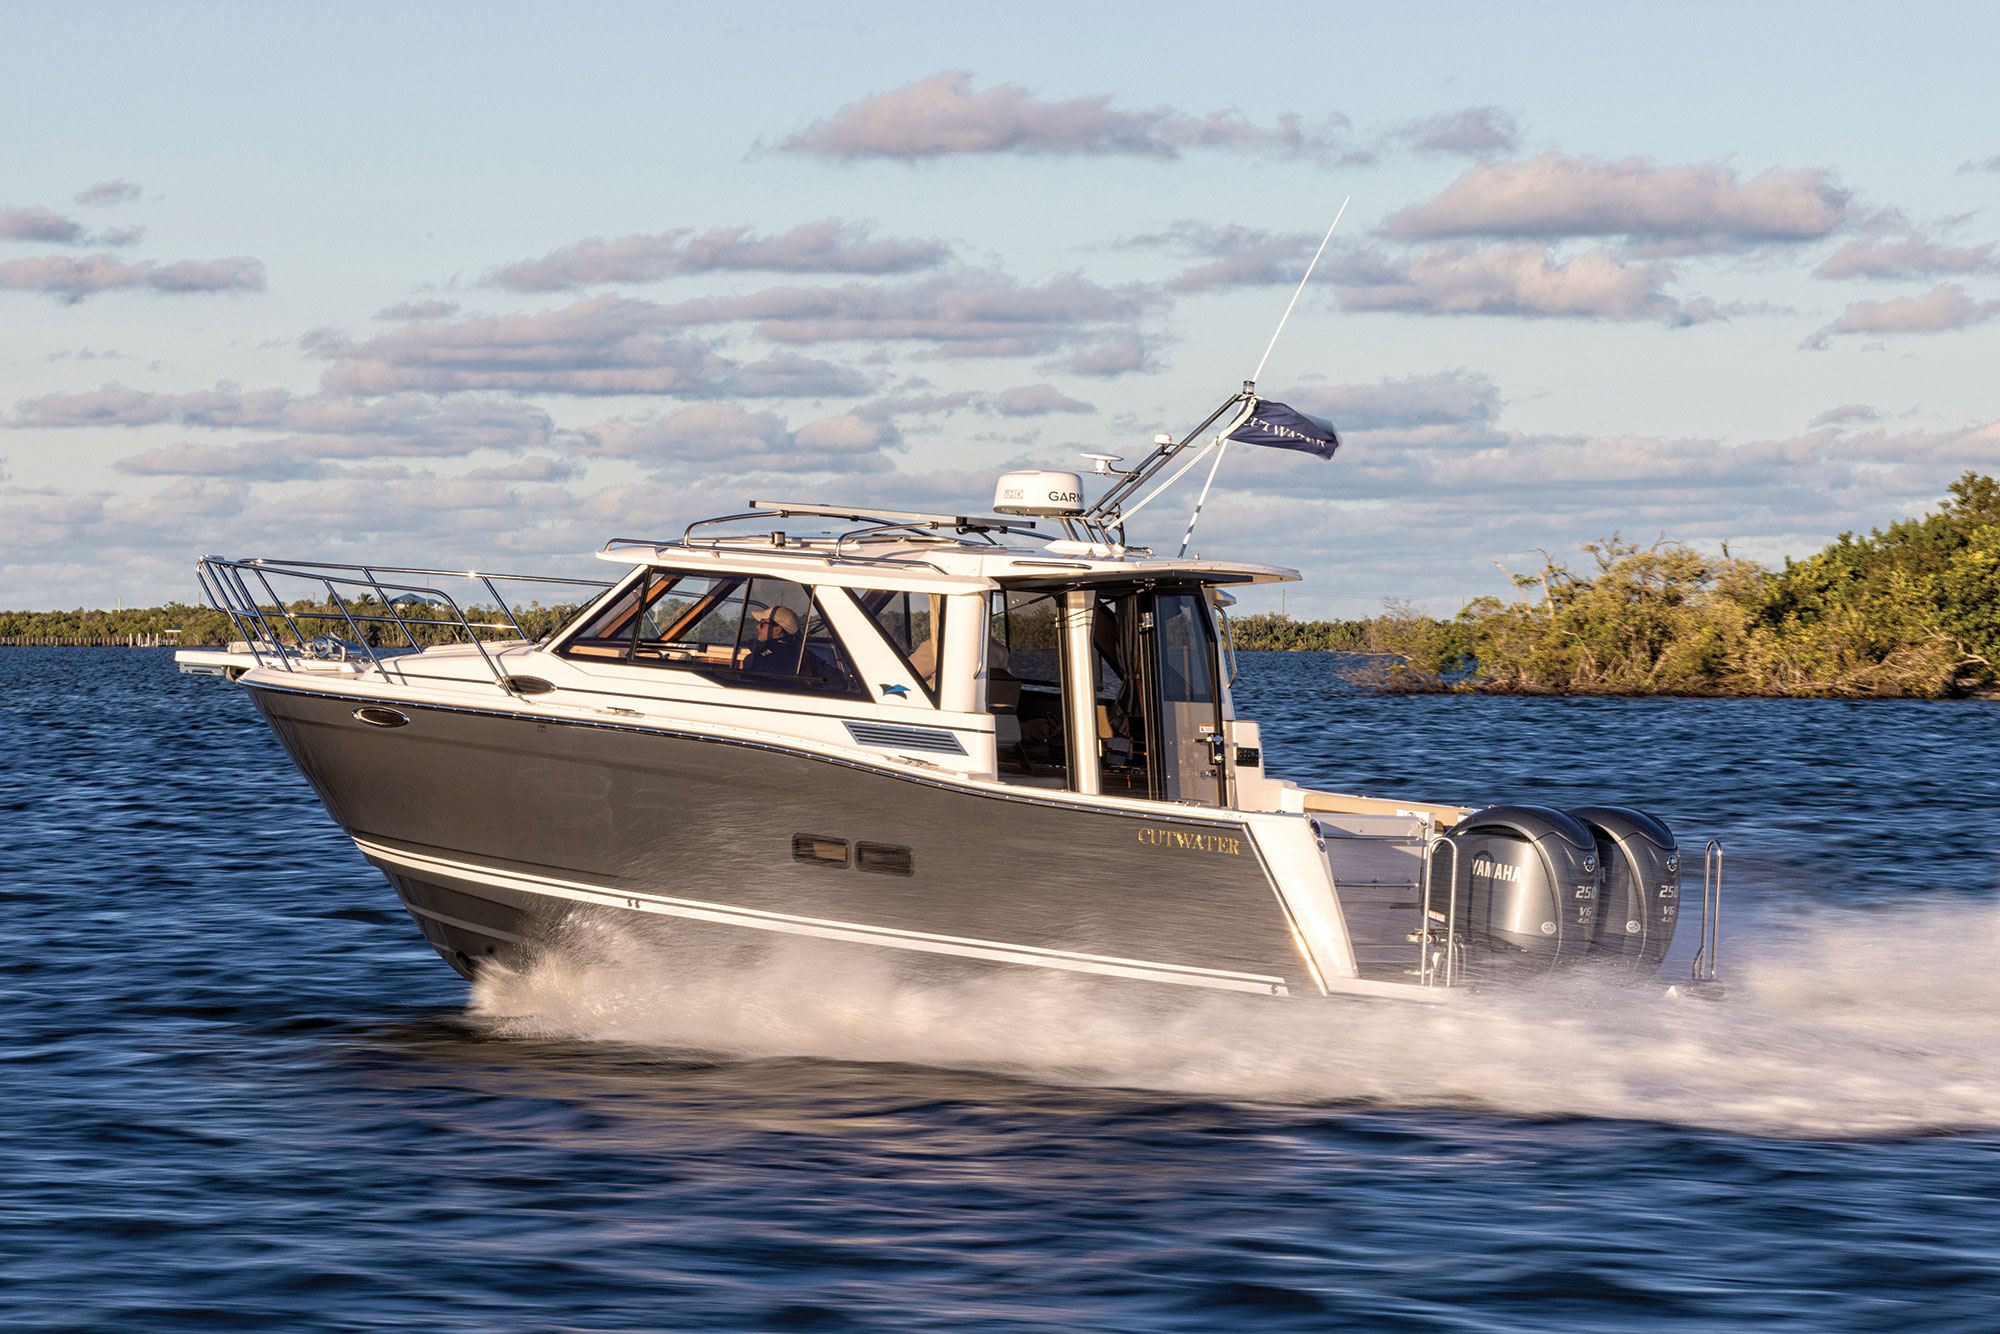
(872, 521)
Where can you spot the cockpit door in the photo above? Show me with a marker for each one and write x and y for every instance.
(1188, 696)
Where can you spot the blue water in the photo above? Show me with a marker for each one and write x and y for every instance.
(238, 1091)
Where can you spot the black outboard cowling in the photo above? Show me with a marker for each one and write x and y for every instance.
(1527, 890)
(1639, 894)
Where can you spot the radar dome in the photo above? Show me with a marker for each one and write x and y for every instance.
(1048, 494)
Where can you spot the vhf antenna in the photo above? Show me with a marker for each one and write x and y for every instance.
(1251, 383)
(1301, 290)
(1108, 515)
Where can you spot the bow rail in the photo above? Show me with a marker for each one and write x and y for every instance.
(285, 632)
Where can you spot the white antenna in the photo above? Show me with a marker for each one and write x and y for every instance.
(1195, 517)
(1222, 443)
(1301, 289)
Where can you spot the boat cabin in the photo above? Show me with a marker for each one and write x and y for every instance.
(1074, 666)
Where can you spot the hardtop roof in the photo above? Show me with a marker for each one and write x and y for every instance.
(933, 564)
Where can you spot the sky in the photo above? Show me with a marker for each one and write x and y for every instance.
(487, 285)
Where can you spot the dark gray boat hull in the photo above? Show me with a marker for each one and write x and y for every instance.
(497, 828)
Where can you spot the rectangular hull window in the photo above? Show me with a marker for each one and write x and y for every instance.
(882, 858)
(819, 848)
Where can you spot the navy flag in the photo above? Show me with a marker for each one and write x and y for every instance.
(1281, 427)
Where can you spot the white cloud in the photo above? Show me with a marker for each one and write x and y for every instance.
(39, 224)
(1237, 256)
(106, 193)
(911, 402)
(1472, 132)
(831, 246)
(729, 439)
(943, 115)
(1449, 407)
(536, 468)
(263, 462)
(115, 405)
(604, 345)
(313, 426)
(74, 279)
(1943, 309)
(1846, 412)
(1552, 196)
(1911, 257)
(418, 310)
(1036, 400)
(1514, 280)
(964, 315)
(1114, 354)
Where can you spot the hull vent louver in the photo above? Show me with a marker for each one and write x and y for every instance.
(888, 736)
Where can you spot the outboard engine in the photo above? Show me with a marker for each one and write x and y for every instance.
(1639, 895)
(1526, 880)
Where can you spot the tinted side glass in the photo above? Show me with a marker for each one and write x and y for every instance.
(694, 621)
(697, 610)
(1026, 627)
(914, 624)
(1024, 687)
(1184, 650)
(766, 634)
(609, 633)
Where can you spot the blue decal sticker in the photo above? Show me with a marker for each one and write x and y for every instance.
(900, 692)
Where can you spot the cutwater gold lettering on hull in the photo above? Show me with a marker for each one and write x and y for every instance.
(1184, 840)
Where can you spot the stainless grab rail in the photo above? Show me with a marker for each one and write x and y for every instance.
(226, 586)
(804, 550)
(1427, 962)
(1703, 968)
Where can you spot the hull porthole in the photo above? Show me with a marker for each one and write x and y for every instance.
(376, 716)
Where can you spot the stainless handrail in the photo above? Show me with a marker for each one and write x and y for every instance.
(880, 522)
(798, 551)
(226, 585)
(280, 566)
(1703, 968)
(1426, 961)
(840, 551)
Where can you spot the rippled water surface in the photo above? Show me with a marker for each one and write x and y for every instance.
(240, 1092)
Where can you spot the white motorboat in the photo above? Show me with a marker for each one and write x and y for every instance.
(947, 740)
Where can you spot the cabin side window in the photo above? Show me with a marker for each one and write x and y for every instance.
(1122, 705)
(739, 630)
(609, 633)
(1184, 647)
(1025, 687)
(913, 623)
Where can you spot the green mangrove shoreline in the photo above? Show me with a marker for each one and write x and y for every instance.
(1907, 612)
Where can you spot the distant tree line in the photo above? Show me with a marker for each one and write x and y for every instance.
(427, 624)
(1912, 611)
(197, 625)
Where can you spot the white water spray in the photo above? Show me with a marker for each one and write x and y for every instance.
(1863, 1024)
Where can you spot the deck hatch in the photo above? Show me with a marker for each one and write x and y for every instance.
(889, 736)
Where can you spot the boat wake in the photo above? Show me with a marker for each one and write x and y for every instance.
(1850, 1025)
